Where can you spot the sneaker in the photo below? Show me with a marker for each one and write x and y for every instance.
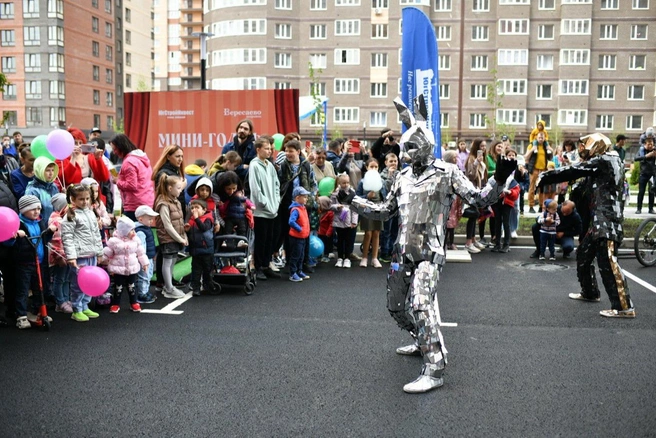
(347, 263)
(651, 212)
(90, 313)
(376, 263)
(478, 245)
(354, 257)
(612, 313)
(146, 299)
(135, 307)
(273, 267)
(173, 293)
(65, 307)
(79, 317)
(340, 263)
(114, 309)
(505, 248)
(295, 278)
(325, 259)
(260, 275)
(279, 262)
(496, 248)
(535, 254)
(34, 317)
(531, 210)
(552, 258)
(638, 212)
(22, 323)
(453, 247)
(541, 257)
(331, 256)
(514, 235)
(385, 258)
(580, 297)
(270, 274)
(303, 276)
(363, 263)
(471, 248)
(196, 292)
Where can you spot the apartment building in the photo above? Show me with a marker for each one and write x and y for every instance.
(580, 65)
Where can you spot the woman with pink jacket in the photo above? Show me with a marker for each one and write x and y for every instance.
(126, 256)
(134, 178)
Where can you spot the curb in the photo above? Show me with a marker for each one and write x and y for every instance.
(460, 239)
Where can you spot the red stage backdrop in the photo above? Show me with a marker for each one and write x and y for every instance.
(203, 121)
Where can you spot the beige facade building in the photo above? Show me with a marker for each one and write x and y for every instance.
(581, 65)
(138, 45)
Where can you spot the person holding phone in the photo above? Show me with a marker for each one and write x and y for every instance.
(385, 144)
(80, 164)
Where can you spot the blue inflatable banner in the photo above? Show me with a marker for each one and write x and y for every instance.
(419, 68)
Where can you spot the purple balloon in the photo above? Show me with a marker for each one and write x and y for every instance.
(60, 144)
(9, 223)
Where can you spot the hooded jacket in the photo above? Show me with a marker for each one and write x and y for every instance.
(134, 181)
(265, 188)
(535, 131)
(42, 189)
(81, 235)
(92, 167)
(192, 174)
(201, 235)
(23, 247)
(20, 181)
(126, 254)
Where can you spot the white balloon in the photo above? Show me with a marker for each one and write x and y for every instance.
(372, 182)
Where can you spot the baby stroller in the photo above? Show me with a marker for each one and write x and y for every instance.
(228, 248)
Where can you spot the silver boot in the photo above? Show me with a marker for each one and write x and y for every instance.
(409, 350)
(430, 378)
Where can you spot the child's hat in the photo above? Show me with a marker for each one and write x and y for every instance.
(88, 182)
(143, 210)
(28, 202)
(300, 191)
(58, 201)
(324, 202)
(204, 181)
(123, 226)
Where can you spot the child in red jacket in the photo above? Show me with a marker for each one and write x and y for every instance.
(509, 196)
(326, 217)
(299, 231)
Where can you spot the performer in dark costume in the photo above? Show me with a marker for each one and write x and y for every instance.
(604, 176)
(422, 194)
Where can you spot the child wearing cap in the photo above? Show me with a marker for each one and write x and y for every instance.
(125, 255)
(145, 218)
(299, 231)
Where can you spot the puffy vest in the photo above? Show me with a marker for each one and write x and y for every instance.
(177, 219)
(303, 221)
(150, 248)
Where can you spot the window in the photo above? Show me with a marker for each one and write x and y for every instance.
(638, 31)
(577, 87)
(57, 90)
(238, 27)
(444, 62)
(32, 62)
(110, 99)
(512, 57)
(96, 120)
(110, 123)
(637, 62)
(378, 119)
(347, 27)
(11, 117)
(95, 24)
(33, 116)
(607, 62)
(546, 32)
(640, 4)
(128, 37)
(109, 53)
(10, 92)
(347, 57)
(347, 86)
(513, 27)
(606, 92)
(318, 60)
(31, 36)
(58, 116)
(445, 91)
(282, 60)
(477, 121)
(56, 62)
(379, 31)
(128, 15)
(7, 38)
(480, 33)
(96, 97)
(318, 88)
(514, 2)
(610, 4)
(32, 89)
(318, 5)
(576, 1)
(283, 31)
(442, 5)
(478, 91)
(634, 122)
(6, 11)
(547, 4)
(30, 8)
(346, 115)
(109, 75)
(573, 117)
(479, 63)
(608, 32)
(379, 59)
(543, 91)
(108, 6)
(55, 36)
(347, 2)
(128, 59)
(512, 86)
(283, 4)
(282, 85)
(481, 5)
(108, 30)
(444, 120)
(317, 31)
(239, 56)
(379, 89)
(9, 64)
(575, 57)
(636, 92)
(575, 27)
(443, 33)
(128, 81)
(546, 118)
(604, 121)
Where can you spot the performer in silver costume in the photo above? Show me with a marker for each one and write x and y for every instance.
(422, 194)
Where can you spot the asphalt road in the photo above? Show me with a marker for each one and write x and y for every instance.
(317, 359)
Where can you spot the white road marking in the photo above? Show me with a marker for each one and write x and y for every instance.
(169, 308)
(162, 312)
(640, 281)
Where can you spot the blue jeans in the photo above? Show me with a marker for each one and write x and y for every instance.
(567, 243)
(389, 235)
(514, 217)
(297, 253)
(26, 278)
(79, 299)
(547, 239)
(143, 281)
(61, 283)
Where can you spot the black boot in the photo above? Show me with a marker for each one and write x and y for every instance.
(506, 247)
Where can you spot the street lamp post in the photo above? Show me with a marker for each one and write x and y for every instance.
(203, 55)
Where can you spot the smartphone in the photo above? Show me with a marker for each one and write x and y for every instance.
(479, 153)
(355, 146)
(88, 148)
(308, 144)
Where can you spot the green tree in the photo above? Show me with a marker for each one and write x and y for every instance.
(316, 97)
(495, 96)
(3, 82)
(556, 135)
(142, 85)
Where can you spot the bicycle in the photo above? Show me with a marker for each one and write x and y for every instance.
(645, 242)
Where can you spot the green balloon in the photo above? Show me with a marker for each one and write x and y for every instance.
(39, 149)
(277, 141)
(326, 186)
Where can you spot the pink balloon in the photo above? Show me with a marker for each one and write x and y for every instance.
(93, 280)
(60, 144)
(9, 223)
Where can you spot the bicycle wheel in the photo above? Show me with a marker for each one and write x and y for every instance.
(645, 242)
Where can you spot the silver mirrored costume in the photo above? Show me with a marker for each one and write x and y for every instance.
(421, 195)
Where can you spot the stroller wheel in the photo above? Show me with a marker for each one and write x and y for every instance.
(249, 288)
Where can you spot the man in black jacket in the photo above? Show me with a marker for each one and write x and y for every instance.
(569, 228)
(385, 144)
